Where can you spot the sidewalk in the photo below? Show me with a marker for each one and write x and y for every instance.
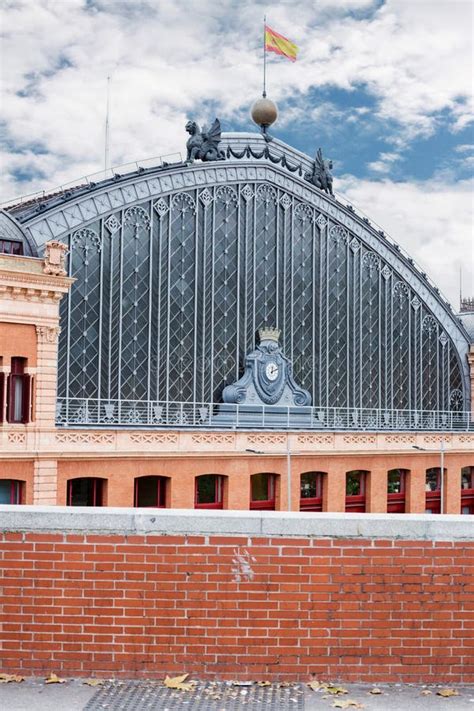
(74, 695)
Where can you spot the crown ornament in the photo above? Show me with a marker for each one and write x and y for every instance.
(269, 334)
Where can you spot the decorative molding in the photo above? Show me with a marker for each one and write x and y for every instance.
(28, 293)
(266, 439)
(17, 437)
(308, 438)
(400, 439)
(85, 437)
(213, 438)
(55, 258)
(48, 334)
(154, 437)
(434, 439)
(466, 438)
(359, 439)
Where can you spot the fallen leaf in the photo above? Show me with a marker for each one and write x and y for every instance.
(264, 683)
(335, 690)
(316, 685)
(447, 692)
(375, 691)
(426, 692)
(54, 679)
(347, 703)
(7, 678)
(93, 682)
(178, 682)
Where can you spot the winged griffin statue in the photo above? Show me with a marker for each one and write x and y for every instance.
(204, 145)
(321, 175)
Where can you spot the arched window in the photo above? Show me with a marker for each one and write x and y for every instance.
(150, 491)
(11, 491)
(467, 490)
(311, 491)
(209, 491)
(262, 491)
(433, 490)
(396, 490)
(356, 482)
(86, 491)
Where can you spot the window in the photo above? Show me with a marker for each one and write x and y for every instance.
(150, 491)
(209, 491)
(433, 490)
(467, 490)
(8, 246)
(18, 392)
(355, 491)
(87, 491)
(311, 491)
(396, 488)
(262, 491)
(11, 491)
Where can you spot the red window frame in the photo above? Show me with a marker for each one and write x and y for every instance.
(16, 491)
(467, 493)
(267, 504)
(312, 503)
(97, 490)
(396, 501)
(160, 501)
(18, 376)
(433, 496)
(356, 503)
(8, 246)
(218, 502)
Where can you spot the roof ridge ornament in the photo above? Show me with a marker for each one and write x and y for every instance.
(321, 175)
(203, 144)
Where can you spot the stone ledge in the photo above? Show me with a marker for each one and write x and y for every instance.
(129, 521)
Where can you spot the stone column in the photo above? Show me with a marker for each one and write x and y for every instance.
(415, 501)
(334, 496)
(376, 493)
(45, 482)
(46, 375)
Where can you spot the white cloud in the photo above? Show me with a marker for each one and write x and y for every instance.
(432, 220)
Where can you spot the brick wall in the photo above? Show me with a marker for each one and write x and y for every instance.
(237, 606)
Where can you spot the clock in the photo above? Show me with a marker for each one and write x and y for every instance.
(272, 371)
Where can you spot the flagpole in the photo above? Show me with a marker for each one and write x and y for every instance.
(264, 93)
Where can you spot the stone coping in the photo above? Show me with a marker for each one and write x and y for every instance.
(130, 521)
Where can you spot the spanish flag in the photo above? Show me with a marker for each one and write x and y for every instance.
(279, 44)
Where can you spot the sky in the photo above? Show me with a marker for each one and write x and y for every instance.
(384, 87)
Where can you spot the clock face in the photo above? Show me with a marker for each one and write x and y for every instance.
(272, 371)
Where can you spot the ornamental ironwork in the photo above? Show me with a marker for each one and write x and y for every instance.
(167, 309)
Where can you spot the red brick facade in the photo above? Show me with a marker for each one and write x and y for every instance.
(234, 607)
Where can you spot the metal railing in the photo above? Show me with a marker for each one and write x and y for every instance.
(85, 412)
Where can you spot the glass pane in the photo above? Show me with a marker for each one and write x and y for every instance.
(310, 485)
(432, 479)
(394, 482)
(354, 483)
(82, 492)
(18, 398)
(261, 487)
(147, 491)
(5, 491)
(206, 489)
(467, 478)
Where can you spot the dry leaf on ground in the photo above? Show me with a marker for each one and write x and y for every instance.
(264, 683)
(375, 690)
(316, 685)
(7, 678)
(447, 692)
(178, 682)
(336, 690)
(54, 679)
(347, 703)
(93, 682)
(426, 692)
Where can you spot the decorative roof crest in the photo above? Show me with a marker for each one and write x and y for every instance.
(269, 334)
